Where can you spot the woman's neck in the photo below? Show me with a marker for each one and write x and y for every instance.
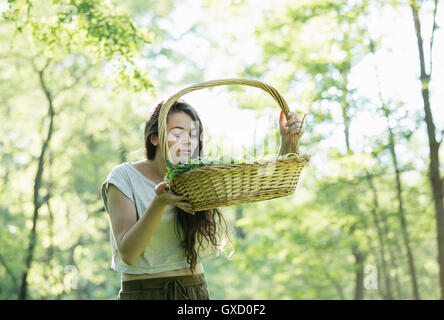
(157, 166)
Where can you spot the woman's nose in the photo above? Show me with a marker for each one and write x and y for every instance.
(186, 141)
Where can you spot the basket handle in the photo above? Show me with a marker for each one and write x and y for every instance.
(214, 83)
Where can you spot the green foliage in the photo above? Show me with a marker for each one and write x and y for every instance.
(174, 170)
(94, 28)
(88, 54)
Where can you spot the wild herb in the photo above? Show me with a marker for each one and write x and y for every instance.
(174, 170)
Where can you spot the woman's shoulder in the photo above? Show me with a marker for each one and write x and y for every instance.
(119, 169)
(126, 166)
(138, 164)
(146, 170)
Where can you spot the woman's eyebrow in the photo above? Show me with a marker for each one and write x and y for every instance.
(183, 128)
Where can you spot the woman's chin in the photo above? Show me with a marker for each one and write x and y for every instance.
(182, 159)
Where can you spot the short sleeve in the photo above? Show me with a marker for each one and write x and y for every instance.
(120, 179)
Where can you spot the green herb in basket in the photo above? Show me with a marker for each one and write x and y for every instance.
(173, 170)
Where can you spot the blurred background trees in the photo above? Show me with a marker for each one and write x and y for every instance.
(78, 79)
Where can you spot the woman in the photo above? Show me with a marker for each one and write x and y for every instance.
(158, 241)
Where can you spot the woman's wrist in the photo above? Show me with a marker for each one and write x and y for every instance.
(283, 147)
(287, 147)
(281, 150)
(158, 201)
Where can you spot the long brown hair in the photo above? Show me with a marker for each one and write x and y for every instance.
(207, 225)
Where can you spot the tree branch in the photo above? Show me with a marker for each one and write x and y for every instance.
(37, 184)
(423, 74)
(39, 70)
(431, 37)
(64, 88)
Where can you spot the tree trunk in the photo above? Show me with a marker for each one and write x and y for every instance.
(359, 263)
(357, 253)
(37, 184)
(388, 295)
(345, 116)
(49, 254)
(393, 262)
(401, 214)
(434, 172)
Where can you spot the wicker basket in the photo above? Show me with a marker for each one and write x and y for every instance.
(223, 185)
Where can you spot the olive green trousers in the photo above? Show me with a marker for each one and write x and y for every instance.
(187, 287)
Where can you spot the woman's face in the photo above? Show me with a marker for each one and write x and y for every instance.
(183, 136)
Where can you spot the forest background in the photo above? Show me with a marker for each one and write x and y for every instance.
(78, 79)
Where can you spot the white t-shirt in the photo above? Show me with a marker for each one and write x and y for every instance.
(163, 252)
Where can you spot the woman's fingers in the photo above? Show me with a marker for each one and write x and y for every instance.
(294, 124)
(187, 209)
(295, 128)
(179, 198)
(162, 187)
(186, 206)
(293, 121)
(296, 131)
(293, 118)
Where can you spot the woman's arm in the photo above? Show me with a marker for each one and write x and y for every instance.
(132, 237)
(282, 150)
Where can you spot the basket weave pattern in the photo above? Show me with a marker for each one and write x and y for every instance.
(222, 185)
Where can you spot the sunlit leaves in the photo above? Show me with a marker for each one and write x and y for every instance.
(93, 28)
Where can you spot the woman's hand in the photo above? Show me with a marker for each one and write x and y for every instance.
(292, 126)
(169, 198)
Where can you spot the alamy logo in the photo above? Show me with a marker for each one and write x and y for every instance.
(73, 277)
(371, 280)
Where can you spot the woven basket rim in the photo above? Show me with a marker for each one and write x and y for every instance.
(300, 159)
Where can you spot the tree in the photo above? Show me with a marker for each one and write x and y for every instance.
(385, 109)
(94, 31)
(434, 171)
(330, 60)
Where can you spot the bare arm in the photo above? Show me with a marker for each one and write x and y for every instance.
(282, 150)
(131, 235)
